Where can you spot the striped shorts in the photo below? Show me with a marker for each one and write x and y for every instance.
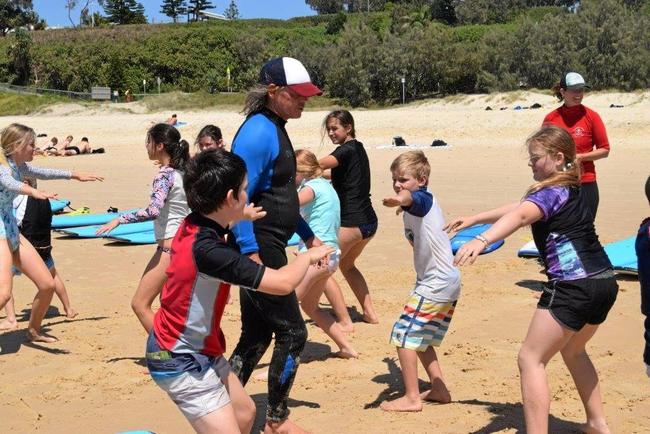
(422, 324)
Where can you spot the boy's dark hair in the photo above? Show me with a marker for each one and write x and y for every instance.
(647, 188)
(84, 139)
(178, 150)
(208, 178)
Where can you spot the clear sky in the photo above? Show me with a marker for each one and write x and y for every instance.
(56, 15)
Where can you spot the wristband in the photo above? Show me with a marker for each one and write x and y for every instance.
(482, 239)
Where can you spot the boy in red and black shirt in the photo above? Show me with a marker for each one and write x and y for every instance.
(185, 348)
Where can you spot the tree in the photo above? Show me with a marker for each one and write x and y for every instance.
(17, 13)
(325, 6)
(197, 6)
(444, 11)
(174, 8)
(124, 11)
(232, 12)
(20, 60)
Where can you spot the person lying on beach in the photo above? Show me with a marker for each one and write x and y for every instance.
(172, 120)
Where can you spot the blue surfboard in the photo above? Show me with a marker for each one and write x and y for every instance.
(71, 221)
(136, 238)
(90, 231)
(623, 255)
(465, 235)
(58, 205)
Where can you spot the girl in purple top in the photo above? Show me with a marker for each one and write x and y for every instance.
(17, 149)
(581, 286)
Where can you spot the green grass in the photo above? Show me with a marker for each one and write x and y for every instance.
(19, 104)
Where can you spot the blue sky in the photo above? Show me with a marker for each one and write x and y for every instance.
(55, 13)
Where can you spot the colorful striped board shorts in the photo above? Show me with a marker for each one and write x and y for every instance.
(422, 324)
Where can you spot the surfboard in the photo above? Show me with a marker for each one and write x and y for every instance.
(468, 234)
(136, 238)
(58, 205)
(90, 231)
(528, 250)
(623, 255)
(66, 221)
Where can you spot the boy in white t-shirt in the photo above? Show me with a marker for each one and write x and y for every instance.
(428, 310)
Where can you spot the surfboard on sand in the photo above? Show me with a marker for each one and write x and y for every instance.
(68, 221)
(90, 231)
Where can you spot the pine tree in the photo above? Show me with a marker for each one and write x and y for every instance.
(124, 11)
(232, 12)
(196, 6)
(174, 8)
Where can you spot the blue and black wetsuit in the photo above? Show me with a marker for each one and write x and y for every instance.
(264, 145)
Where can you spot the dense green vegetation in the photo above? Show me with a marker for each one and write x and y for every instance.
(358, 58)
(16, 104)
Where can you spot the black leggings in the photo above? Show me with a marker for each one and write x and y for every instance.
(590, 196)
(262, 316)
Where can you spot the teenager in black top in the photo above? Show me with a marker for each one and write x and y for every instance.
(351, 180)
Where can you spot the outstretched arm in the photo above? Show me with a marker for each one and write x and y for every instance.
(524, 214)
(490, 216)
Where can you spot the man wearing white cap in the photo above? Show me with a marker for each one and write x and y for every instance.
(263, 143)
(587, 129)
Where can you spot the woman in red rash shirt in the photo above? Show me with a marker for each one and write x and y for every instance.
(587, 129)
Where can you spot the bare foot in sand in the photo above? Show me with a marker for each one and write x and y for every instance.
(595, 427)
(71, 313)
(34, 336)
(370, 318)
(8, 325)
(284, 427)
(402, 404)
(347, 353)
(439, 396)
(262, 376)
(346, 327)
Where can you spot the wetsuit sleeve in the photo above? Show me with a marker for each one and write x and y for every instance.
(342, 154)
(27, 170)
(162, 184)
(8, 181)
(218, 260)
(598, 132)
(303, 230)
(258, 148)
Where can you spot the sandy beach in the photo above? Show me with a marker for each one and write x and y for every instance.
(94, 378)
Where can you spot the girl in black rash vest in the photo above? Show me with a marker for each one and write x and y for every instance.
(351, 180)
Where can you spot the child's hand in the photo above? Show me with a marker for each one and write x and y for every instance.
(468, 252)
(84, 177)
(252, 212)
(458, 224)
(316, 254)
(38, 194)
(392, 201)
(108, 226)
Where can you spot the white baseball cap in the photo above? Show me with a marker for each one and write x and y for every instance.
(573, 80)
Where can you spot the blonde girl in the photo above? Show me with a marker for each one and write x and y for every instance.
(17, 144)
(581, 286)
(319, 206)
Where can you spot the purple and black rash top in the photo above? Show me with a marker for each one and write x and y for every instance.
(162, 184)
(565, 236)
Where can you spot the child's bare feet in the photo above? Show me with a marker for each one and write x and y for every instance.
(595, 427)
(71, 313)
(347, 353)
(35, 336)
(440, 396)
(402, 404)
(7, 325)
(284, 427)
(346, 327)
(370, 318)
